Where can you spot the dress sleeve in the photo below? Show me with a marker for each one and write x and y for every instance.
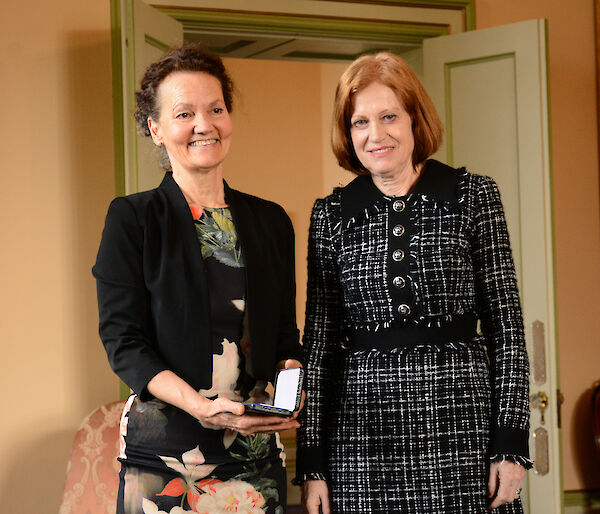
(288, 346)
(322, 335)
(502, 326)
(122, 299)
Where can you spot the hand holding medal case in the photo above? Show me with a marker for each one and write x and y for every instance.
(287, 394)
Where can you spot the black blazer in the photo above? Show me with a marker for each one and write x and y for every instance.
(152, 288)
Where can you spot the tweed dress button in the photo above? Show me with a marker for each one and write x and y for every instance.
(404, 309)
(398, 230)
(398, 255)
(399, 205)
(399, 282)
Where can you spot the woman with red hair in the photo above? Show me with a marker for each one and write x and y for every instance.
(409, 407)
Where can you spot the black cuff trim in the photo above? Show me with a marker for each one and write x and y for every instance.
(310, 461)
(510, 441)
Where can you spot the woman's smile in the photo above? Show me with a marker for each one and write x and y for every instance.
(381, 151)
(203, 142)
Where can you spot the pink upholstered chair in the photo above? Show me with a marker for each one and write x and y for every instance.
(92, 473)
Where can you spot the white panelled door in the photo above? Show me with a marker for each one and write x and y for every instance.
(490, 89)
(146, 34)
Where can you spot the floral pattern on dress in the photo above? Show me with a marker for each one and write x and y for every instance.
(248, 492)
(217, 232)
(226, 371)
(257, 447)
(230, 496)
(123, 426)
(192, 468)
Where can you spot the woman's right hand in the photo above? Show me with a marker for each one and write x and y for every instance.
(315, 493)
(224, 413)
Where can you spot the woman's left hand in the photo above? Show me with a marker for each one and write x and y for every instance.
(510, 476)
(293, 363)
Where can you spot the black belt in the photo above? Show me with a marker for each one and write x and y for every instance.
(460, 328)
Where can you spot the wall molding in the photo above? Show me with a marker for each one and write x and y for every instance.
(466, 6)
(195, 19)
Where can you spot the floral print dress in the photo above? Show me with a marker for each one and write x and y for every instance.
(170, 462)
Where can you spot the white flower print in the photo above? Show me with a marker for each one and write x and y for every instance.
(192, 468)
(281, 447)
(226, 370)
(231, 496)
(123, 426)
(239, 304)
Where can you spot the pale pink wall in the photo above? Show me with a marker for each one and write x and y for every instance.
(57, 178)
(576, 212)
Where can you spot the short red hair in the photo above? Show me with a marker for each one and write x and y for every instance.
(393, 72)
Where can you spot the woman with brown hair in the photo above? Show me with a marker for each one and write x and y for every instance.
(196, 294)
(409, 408)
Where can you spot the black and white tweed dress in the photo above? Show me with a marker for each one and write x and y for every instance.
(397, 422)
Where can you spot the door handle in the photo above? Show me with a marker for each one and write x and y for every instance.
(540, 401)
(541, 448)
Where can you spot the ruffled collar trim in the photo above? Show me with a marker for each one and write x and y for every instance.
(438, 183)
